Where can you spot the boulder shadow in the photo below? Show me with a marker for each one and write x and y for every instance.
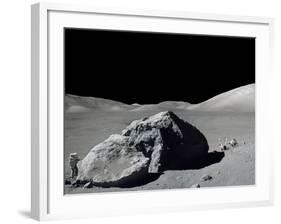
(199, 162)
(129, 182)
(144, 177)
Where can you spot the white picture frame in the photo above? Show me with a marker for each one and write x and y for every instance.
(48, 201)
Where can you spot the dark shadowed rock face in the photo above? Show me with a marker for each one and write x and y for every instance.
(149, 145)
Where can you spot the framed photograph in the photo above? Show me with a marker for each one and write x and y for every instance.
(139, 111)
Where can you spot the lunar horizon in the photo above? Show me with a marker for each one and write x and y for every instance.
(238, 99)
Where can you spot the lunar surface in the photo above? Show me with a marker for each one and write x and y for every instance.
(222, 119)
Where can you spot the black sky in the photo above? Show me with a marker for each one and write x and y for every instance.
(152, 67)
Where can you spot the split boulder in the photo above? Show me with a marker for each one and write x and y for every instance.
(149, 145)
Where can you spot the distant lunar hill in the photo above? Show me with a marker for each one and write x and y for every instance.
(146, 107)
(174, 104)
(241, 99)
(83, 104)
(166, 105)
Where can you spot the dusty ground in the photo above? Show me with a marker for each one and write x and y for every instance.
(233, 167)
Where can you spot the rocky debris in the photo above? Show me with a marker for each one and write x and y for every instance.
(149, 145)
(233, 142)
(195, 186)
(226, 145)
(223, 147)
(206, 177)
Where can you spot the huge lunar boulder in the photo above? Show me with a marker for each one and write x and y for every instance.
(149, 145)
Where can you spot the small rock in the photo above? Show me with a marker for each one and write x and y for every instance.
(223, 147)
(233, 142)
(195, 186)
(206, 177)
